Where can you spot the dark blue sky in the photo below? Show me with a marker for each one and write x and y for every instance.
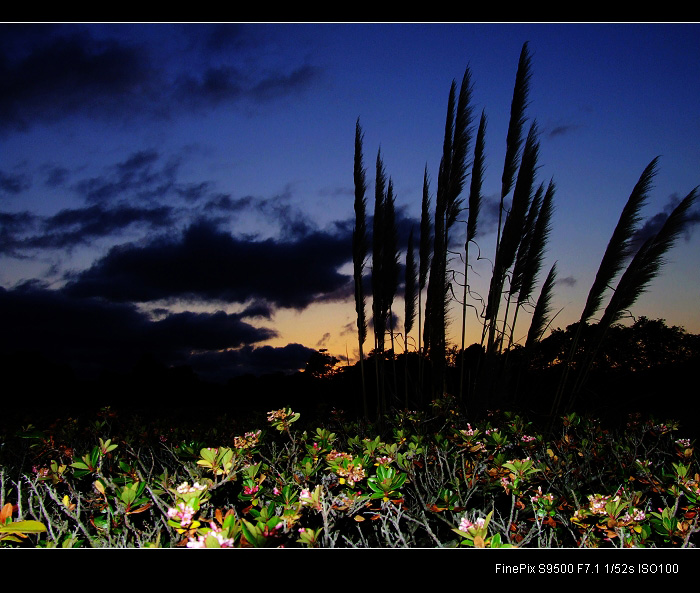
(187, 189)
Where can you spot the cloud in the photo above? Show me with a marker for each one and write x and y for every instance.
(281, 84)
(92, 334)
(218, 366)
(25, 232)
(560, 130)
(323, 342)
(205, 331)
(141, 175)
(209, 264)
(64, 72)
(653, 225)
(13, 184)
(56, 176)
(118, 72)
(70, 227)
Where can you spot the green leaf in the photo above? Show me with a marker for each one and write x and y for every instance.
(23, 527)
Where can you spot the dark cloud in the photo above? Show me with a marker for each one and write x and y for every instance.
(218, 366)
(206, 331)
(92, 334)
(53, 76)
(56, 176)
(194, 192)
(141, 175)
(653, 225)
(293, 223)
(560, 130)
(116, 72)
(12, 226)
(221, 37)
(81, 225)
(225, 203)
(280, 85)
(13, 184)
(22, 232)
(324, 340)
(211, 87)
(209, 264)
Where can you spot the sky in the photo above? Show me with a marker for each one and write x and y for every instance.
(186, 190)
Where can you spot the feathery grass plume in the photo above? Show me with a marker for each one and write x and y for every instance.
(537, 241)
(617, 251)
(424, 255)
(359, 252)
(514, 226)
(516, 279)
(513, 229)
(517, 119)
(410, 298)
(378, 230)
(516, 276)
(435, 301)
(450, 183)
(410, 287)
(478, 170)
(618, 247)
(390, 253)
(475, 197)
(644, 267)
(390, 267)
(540, 318)
(424, 252)
(515, 128)
(378, 278)
(648, 261)
(460, 147)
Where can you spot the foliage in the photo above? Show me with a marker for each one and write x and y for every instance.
(422, 480)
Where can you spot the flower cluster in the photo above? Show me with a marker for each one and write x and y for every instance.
(465, 524)
(248, 441)
(345, 466)
(215, 539)
(277, 415)
(597, 502)
(636, 515)
(468, 432)
(185, 488)
(539, 497)
(182, 513)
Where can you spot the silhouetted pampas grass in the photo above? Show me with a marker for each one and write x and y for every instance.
(475, 198)
(513, 232)
(612, 263)
(643, 268)
(410, 297)
(451, 177)
(540, 318)
(521, 242)
(359, 254)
